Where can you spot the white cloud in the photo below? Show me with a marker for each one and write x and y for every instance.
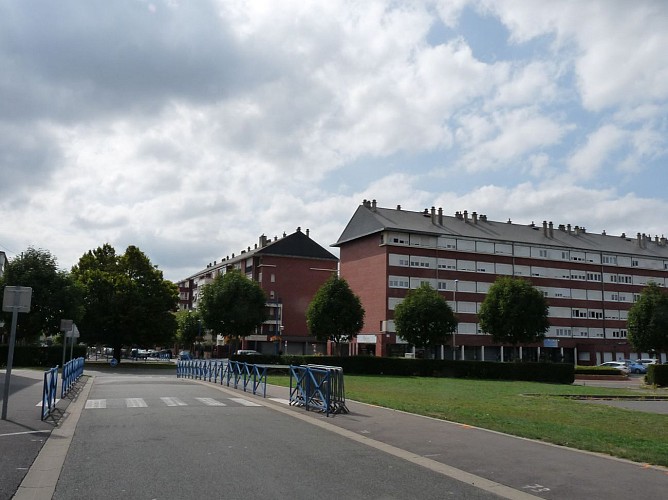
(586, 162)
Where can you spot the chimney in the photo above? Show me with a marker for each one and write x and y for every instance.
(475, 217)
(398, 207)
(373, 205)
(545, 228)
(568, 228)
(299, 229)
(433, 215)
(550, 228)
(639, 240)
(308, 233)
(663, 240)
(466, 216)
(562, 227)
(440, 216)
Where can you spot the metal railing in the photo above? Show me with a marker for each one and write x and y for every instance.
(318, 387)
(72, 371)
(230, 373)
(49, 392)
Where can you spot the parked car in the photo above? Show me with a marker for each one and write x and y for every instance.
(185, 355)
(635, 367)
(619, 365)
(247, 352)
(648, 361)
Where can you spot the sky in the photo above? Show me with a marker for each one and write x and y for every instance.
(189, 129)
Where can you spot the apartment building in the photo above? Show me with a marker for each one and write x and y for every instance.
(590, 280)
(290, 270)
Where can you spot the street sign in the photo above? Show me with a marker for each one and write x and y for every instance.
(72, 332)
(17, 298)
(66, 325)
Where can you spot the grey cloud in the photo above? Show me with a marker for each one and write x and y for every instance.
(82, 58)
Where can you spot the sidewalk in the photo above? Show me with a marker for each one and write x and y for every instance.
(546, 470)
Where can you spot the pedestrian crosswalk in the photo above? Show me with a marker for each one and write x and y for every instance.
(95, 404)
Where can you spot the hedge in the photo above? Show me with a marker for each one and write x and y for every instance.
(657, 375)
(36, 356)
(560, 373)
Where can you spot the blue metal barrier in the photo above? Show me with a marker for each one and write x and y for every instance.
(318, 387)
(72, 371)
(227, 373)
(49, 391)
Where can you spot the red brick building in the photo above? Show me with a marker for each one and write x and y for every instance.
(290, 270)
(590, 280)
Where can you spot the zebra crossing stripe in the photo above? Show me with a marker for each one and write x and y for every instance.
(173, 402)
(135, 403)
(244, 402)
(280, 400)
(210, 402)
(96, 403)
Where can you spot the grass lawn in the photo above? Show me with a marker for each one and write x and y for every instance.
(526, 409)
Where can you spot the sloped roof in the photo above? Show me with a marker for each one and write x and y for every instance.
(297, 244)
(369, 220)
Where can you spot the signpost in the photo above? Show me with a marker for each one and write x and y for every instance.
(65, 327)
(16, 299)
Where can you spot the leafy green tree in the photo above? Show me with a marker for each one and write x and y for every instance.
(188, 327)
(232, 305)
(55, 294)
(335, 313)
(514, 312)
(424, 318)
(127, 300)
(648, 320)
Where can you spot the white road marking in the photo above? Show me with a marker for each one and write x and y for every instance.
(281, 400)
(96, 403)
(39, 405)
(135, 403)
(24, 432)
(244, 402)
(210, 402)
(173, 402)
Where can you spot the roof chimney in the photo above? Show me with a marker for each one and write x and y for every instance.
(433, 215)
(475, 217)
(466, 216)
(440, 216)
(550, 228)
(545, 228)
(568, 228)
(398, 207)
(373, 205)
(308, 232)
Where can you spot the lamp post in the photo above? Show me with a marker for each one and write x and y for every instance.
(454, 342)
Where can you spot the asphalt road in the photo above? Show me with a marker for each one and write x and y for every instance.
(157, 437)
(153, 436)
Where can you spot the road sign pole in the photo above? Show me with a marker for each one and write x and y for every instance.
(10, 361)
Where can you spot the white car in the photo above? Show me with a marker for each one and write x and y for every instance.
(619, 365)
(648, 361)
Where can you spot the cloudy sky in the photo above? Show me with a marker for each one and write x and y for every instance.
(191, 128)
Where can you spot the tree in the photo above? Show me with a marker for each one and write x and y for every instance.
(424, 318)
(188, 327)
(55, 294)
(127, 300)
(335, 313)
(514, 312)
(232, 305)
(648, 320)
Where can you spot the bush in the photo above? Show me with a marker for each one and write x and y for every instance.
(368, 365)
(36, 356)
(597, 370)
(657, 375)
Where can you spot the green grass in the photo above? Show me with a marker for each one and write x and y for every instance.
(526, 409)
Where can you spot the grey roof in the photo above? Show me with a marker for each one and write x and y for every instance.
(369, 219)
(296, 244)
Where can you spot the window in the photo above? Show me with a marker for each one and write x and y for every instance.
(593, 276)
(563, 332)
(273, 278)
(543, 253)
(447, 264)
(399, 260)
(398, 282)
(610, 259)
